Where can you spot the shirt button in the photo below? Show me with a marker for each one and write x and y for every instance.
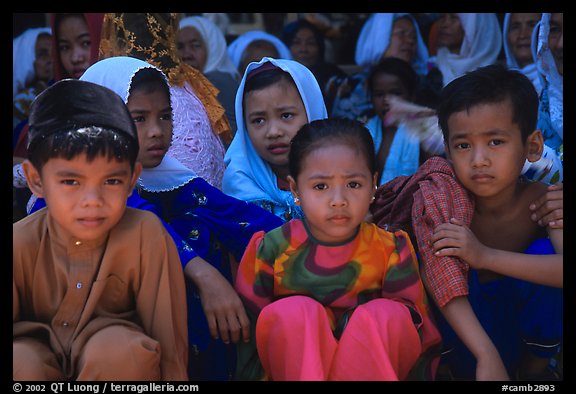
(65, 324)
(79, 285)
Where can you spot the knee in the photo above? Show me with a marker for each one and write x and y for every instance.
(293, 310)
(120, 352)
(384, 312)
(34, 360)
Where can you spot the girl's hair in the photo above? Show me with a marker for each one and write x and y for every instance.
(91, 140)
(330, 132)
(398, 67)
(265, 76)
(149, 80)
(492, 84)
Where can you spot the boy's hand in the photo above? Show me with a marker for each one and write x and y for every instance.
(456, 239)
(548, 210)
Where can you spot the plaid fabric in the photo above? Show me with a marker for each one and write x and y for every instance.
(416, 204)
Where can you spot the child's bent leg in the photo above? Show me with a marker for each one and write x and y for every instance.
(294, 339)
(380, 342)
(119, 353)
(34, 360)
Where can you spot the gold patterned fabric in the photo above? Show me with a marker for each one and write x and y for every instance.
(152, 37)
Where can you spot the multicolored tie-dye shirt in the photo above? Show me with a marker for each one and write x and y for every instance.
(374, 264)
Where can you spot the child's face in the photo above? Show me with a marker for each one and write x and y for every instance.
(152, 115)
(191, 47)
(335, 188)
(403, 41)
(486, 149)
(273, 116)
(519, 36)
(85, 198)
(74, 45)
(385, 85)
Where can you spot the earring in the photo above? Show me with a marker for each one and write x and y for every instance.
(296, 200)
(373, 199)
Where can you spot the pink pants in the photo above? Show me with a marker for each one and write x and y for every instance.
(295, 341)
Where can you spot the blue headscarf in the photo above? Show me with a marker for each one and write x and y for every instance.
(247, 176)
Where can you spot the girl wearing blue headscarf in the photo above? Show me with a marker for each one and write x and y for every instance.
(275, 98)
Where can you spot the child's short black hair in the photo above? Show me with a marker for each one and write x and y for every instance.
(331, 131)
(74, 117)
(398, 67)
(489, 85)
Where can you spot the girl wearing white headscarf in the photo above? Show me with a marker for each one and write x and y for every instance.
(480, 46)
(248, 176)
(511, 61)
(380, 37)
(218, 66)
(237, 48)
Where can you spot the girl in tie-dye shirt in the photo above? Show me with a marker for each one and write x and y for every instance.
(332, 296)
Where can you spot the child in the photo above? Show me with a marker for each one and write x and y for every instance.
(333, 297)
(211, 229)
(201, 129)
(98, 293)
(504, 315)
(398, 149)
(275, 98)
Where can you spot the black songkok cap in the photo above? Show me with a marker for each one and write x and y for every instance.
(73, 104)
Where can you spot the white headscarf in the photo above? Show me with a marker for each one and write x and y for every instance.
(375, 37)
(480, 47)
(547, 68)
(23, 57)
(215, 42)
(248, 177)
(529, 70)
(116, 73)
(238, 46)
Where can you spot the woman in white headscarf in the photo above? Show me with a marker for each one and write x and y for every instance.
(466, 41)
(250, 177)
(31, 69)
(240, 49)
(383, 35)
(517, 34)
(201, 44)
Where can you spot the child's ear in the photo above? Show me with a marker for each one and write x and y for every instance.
(136, 174)
(293, 189)
(535, 146)
(33, 178)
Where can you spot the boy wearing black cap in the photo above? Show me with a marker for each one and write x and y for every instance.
(98, 291)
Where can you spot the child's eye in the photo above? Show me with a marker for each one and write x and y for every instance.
(114, 181)
(287, 115)
(166, 117)
(139, 119)
(462, 145)
(321, 186)
(69, 182)
(354, 185)
(257, 121)
(496, 142)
